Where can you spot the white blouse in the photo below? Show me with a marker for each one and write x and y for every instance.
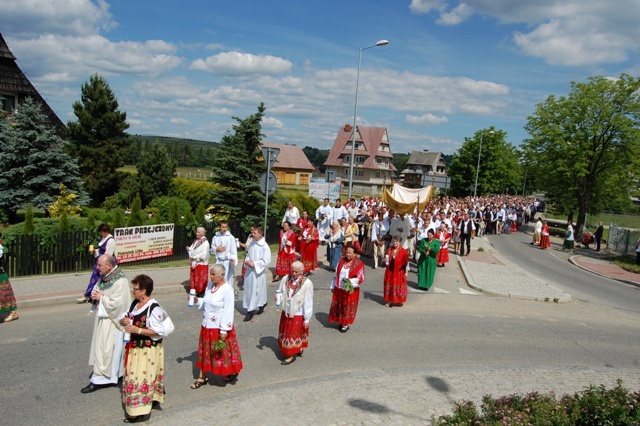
(218, 307)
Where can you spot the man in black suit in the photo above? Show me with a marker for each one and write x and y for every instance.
(467, 229)
(598, 235)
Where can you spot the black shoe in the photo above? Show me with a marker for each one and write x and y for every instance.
(137, 419)
(344, 329)
(155, 405)
(248, 317)
(261, 308)
(92, 388)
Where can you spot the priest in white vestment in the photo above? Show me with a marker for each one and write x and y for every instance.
(113, 295)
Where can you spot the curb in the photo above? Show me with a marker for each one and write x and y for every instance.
(471, 283)
(575, 263)
(71, 299)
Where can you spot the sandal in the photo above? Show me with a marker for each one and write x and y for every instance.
(231, 378)
(200, 381)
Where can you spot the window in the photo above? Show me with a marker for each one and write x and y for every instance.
(378, 160)
(358, 173)
(359, 159)
(346, 172)
(378, 175)
(7, 102)
(347, 159)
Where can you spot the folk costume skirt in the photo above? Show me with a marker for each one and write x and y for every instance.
(143, 378)
(344, 306)
(443, 255)
(199, 278)
(283, 263)
(395, 287)
(292, 336)
(545, 241)
(7, 298)
(225, 362)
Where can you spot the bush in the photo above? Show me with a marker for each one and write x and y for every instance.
(163, 206)
(193, 191)
(594, 406)
(47, 228)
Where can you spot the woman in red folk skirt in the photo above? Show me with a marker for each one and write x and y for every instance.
(286, 251)
(309, 241)
(395, 276)
(297, 309)
(545, 238)
(346, 290)
(444, 236)
(218, 350)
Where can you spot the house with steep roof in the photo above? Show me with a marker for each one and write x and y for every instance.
(15, 87)
(292, 167)
(373, 167)
(423, 169)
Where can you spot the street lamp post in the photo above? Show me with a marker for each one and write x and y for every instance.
(355, 114)
(475, 187)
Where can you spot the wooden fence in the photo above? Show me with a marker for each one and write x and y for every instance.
(30, 255)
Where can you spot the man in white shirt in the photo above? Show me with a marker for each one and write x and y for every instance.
(467, 231)
(324, 217)
(291, 215)
(378, 236)
(223, 247)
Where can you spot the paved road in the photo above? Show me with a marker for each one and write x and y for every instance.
(398, 365)
(554, 266)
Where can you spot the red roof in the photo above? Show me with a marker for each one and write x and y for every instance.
(371, 138)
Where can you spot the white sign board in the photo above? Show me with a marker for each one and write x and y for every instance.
(143, 242)
(322, 190)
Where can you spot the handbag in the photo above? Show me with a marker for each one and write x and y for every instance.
(167, 323)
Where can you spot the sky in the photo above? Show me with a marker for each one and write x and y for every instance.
(451, 68)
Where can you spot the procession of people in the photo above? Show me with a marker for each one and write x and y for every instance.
(129, 325)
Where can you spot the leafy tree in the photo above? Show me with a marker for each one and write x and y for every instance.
(499, 167)
(583, 143)
(200, 212)
(237, 166)
(194, 191)
(65, 202)
(118, 218)
(28, 226)
(155, 174)
(91, 222)
(316, 156)
(33, 162)
(400, 161)
(136, 217)
(98, 138)
(164, 205)
(174, 213)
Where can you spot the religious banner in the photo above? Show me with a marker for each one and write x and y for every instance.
(406, 200)
(143, 242)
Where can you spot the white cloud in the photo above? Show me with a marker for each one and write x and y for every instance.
(241, 64)
(175, 120)
(80, 56)
(26, 18)
(457, 15)
(426, 119)
(272, 122)
(561, 32)
(424, 6)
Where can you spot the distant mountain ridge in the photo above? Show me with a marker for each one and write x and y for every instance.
(165, 140)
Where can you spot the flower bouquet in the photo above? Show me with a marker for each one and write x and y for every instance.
(219, 346)
(347, 285)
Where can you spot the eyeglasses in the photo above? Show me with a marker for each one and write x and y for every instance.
(136, 289)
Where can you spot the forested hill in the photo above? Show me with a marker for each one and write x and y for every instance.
(186, 152)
